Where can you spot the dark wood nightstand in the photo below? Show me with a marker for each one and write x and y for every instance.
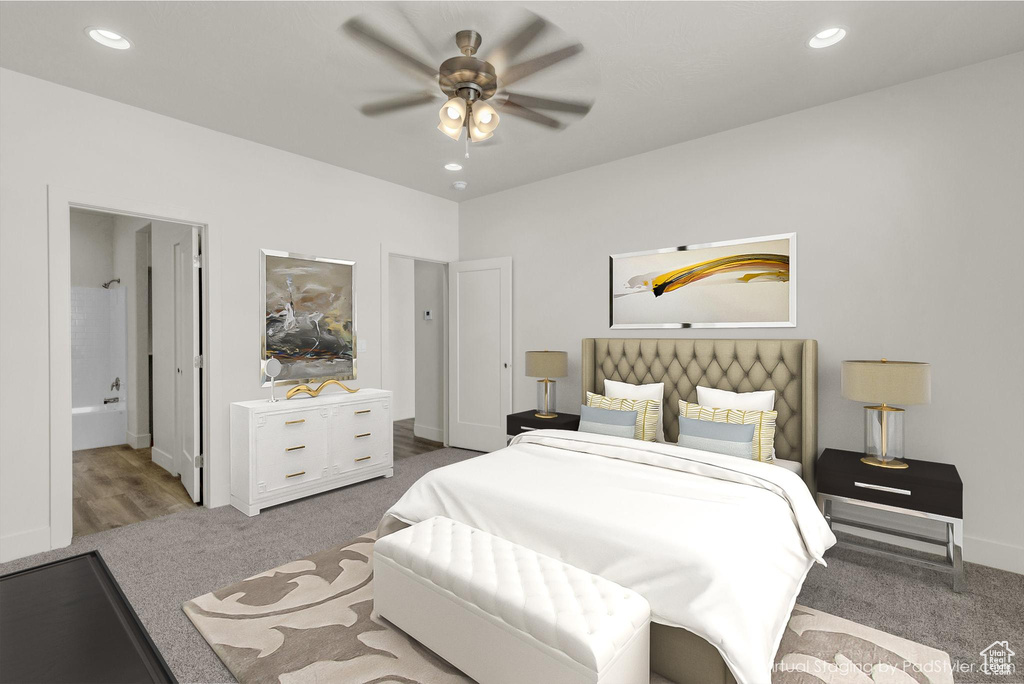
(524, 421)
(927, 490)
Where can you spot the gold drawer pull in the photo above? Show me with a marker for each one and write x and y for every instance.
(363, 411)
(365, 434)
(295, 422)
(296, 448)
(364, 458)
(301, 472)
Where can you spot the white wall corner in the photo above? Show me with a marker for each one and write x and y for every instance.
(23, 544)
(434, 434)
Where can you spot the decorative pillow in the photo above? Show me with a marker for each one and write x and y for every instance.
(745, 401)
(654, 391)
(764, 422)
(648, 412)
(608, 422)
(721, 438)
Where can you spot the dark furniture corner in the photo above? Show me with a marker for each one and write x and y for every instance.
(928, 490)
(524, 421)
(69, 621)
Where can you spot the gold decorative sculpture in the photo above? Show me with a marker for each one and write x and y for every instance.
(306, 389)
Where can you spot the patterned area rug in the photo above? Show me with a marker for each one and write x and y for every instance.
(310, 621)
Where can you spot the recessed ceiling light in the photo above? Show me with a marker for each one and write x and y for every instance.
(453, 167)
(110, 39)
(827, 38)
(459, 185)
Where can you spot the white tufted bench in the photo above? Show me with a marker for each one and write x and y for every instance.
(504, 614)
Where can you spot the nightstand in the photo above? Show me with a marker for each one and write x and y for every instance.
(524, 421)
(927, 490)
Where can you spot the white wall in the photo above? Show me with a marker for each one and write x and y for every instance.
(430, 350)
(402, 346)
(92, 249)
(131, 260)
(909, 207)
(251, 196)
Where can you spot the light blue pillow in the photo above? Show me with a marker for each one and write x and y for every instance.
(721, 438)
(608, 422)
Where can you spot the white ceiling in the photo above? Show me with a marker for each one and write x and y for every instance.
(283, 74)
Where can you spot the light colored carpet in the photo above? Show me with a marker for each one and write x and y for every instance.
(310, 621)
(162, 563)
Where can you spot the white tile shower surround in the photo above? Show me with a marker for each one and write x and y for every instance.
(98, 356)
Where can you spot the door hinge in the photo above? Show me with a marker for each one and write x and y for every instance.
(197, 260)
(200, 461)
(197, 361)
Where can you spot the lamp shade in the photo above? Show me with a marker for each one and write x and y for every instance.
(887, 382)
(453, 117)
(547, 364)
(482, 122)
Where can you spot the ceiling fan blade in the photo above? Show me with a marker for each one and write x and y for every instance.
(530, 115)
(547, 103)
(531, 66)
(396, 104)
(360, 31)
(518, 41)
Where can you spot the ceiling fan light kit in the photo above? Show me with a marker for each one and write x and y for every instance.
(468, 81)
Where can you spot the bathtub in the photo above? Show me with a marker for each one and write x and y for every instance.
(98, 426)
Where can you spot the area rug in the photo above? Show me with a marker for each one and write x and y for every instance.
(310, 621)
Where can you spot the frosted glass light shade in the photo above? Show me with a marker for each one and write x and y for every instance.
(547, 364)
(896, 383)
(482, 122)
(452, 125)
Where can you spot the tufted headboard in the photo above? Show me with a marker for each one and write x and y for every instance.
(790, 367)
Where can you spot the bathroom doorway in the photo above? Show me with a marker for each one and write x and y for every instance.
(136, 369)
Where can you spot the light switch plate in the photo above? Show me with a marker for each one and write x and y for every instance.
(428, 315)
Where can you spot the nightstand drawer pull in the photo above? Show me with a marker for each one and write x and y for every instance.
(365, 434)
(301, 472)
(295, 448)
(295, 422)
(364, 458)
(362, 412)
(881, 488)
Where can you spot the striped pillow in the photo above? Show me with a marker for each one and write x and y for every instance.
(764, 432)
(648, 413)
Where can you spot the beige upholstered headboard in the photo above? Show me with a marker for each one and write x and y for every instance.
(790, 367)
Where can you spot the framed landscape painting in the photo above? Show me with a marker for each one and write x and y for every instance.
(308, 316)
(749, 283)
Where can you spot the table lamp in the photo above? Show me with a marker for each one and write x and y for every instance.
(884, 383)
(546, 365)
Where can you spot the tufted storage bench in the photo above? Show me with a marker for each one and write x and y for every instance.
(504, 614)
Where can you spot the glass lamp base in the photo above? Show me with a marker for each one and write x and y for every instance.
(883, 436)
(546, 399)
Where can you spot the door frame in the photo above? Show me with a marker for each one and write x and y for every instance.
(385, 324)
(60, 201)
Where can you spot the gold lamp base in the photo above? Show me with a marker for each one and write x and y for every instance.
(895, 464)
(545, 415)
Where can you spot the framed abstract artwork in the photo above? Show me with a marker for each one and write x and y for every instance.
(749, 283)
(309, 320)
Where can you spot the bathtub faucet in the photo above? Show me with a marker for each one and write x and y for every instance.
(116, 385)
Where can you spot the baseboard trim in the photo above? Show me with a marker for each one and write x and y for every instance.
(994, 554)
(142, 441)
(164, 460)
(427, 432)
(21, 544)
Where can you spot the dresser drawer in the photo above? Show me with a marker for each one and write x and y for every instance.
(899, 491)
(281, 476)
(294, 422)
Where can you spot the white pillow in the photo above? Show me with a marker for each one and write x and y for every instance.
(744, 401)
(624, 390)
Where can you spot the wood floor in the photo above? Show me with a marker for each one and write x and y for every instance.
(118, 485)
(407, 444)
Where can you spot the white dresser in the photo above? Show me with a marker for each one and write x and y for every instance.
(290, 449)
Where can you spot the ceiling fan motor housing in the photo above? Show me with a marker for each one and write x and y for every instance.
(467, 77)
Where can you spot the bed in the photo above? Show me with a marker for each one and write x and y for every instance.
(645, 515)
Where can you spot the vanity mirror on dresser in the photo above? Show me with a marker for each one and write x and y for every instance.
(281, 451)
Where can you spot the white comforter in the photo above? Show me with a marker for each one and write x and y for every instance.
(718, 545)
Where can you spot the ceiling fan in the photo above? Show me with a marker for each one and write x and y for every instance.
(474, 88)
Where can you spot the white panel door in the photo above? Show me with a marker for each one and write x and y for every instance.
(186, 358)
(479, 352)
